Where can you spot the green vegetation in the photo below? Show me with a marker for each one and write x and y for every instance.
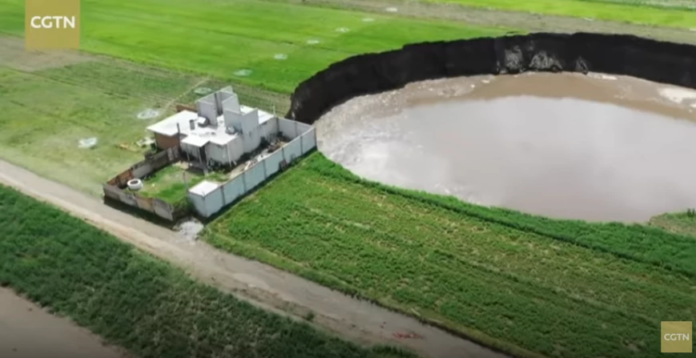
(47, 109)
(525, 284)
(659, 13)
(679, 223)
(222, 37)
(138, 302)
(168, 183)
(528, 285)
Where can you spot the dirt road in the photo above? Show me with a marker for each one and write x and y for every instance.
(252, 281)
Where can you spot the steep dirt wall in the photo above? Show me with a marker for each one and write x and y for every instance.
(543, 52)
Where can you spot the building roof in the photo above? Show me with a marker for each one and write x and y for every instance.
(168, 126)
(217, 135)
(196, 141)
(204, 188)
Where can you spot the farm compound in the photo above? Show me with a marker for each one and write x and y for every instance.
(220, 132)
(246, 144)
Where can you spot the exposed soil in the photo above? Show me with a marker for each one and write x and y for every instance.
(13, 55)
(259, 284)
(567, 146)
(28, 331)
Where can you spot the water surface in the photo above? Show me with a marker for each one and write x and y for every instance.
(596, 148)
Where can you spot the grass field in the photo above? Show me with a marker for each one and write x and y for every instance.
(223, 37)
(168, 183)
(48, 108)
(525, 284)
(138, 302)
(679, 223)
(671, 13)
(94, 96)
(528, 285)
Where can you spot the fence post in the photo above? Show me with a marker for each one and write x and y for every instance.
(265, 172)
(302, 144)
(222, 190)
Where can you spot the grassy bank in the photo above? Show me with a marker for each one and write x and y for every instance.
(219, 38)
(525, 284)
(670, 13)
(679, 223)
(136, 301)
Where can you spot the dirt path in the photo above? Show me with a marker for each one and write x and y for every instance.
(257, 283)
(28, 331)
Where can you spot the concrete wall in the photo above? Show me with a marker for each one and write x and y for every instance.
(581, 52)
(226, 153)
(269, 129)
(206, 107)
(236, 147)
(217, 152)
(289, 129)
(233, 118)
(233, 189)
(209, 204)
(250, 120)
(252, 139)
(292, 150)
(198, 203)
(190, 151)
(256, 175)
(221, 97)
(114, 188)
(272, 162)
(309, 140)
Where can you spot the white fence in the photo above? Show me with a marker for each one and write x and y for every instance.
(257, 174)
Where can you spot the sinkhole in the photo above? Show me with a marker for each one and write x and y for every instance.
(572, 146)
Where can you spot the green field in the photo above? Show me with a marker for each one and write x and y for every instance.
(168, 183)
(222, 37)
(87, 96)
(138, 302)
(528, 285)
(524, 284)
(679, 223)
(670, 13)
(45, 112)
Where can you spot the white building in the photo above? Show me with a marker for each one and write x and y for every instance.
(221, 130)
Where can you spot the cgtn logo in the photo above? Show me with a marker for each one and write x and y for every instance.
(51, 24)
(676, 337)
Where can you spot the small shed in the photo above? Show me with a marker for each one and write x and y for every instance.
(206, 198)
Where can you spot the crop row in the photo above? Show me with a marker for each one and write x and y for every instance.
(632, 242)
(138, 302)
(518, 290)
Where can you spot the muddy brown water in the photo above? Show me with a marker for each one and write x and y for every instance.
(596, 147)
(28, 331)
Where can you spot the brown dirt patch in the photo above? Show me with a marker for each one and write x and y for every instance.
(13, 55)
